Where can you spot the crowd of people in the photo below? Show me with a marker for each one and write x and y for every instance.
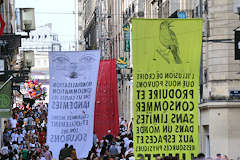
(110, 147)
(24, 134)
(24, 138)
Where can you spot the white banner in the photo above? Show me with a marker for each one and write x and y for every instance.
(73, 81)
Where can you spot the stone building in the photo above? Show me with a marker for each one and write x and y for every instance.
(219, 108)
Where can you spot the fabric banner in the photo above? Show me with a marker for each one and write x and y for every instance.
(5, 94)
(73, 81)
(166, 65)
(106, 105)
(5, 99)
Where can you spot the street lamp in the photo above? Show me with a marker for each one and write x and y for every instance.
(25, 20)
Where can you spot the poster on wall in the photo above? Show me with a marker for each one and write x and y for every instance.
(166, 65)
(73, 81)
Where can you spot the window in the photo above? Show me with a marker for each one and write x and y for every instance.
(197, 12)
(45, 62)
(38, 63)
(206, 7)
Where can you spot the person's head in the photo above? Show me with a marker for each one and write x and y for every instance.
(109, 131)
(201, 156)
(32, 141)
(66, 145)
(45, 147)
(225, 157)
(131, 145)
(71, 146)
(218, 155)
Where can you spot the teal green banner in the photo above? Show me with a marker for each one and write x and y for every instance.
(5, 95)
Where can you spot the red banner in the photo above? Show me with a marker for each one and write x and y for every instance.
(106, 104)
(2, 24)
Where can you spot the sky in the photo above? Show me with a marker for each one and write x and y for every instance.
(58, 12)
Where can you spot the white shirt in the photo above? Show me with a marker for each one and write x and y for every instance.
(14, 137)
(24, 132)
(14, 123)
(98, 150)
(33, 131)
(129, 151)
(32, 146)
(4, 150)
(20, 138)
(126, 143)
(25, 120)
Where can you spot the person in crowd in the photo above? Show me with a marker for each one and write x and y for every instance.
(5, 150)
(32, 146)
(201, 156)
(129, 152)
(13, 122)
(109, 136)
(225, 157)
(42, 136)
(14, 135)
(47, 153)
(95, 139)
(218, 156)
(121, 121)
(74, 154)
(98, 149)
(25, 153)
(130, 128)
(63, 152)
(20, 137)
(15, 155)
(6, 136)
(5, 123)
(113, 149)
(41, 157)
(69, 151)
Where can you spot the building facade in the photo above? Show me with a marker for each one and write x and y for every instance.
(79, 25)
(219, 110)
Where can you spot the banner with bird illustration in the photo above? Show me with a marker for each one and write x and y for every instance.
(73, 82)
(166, 66)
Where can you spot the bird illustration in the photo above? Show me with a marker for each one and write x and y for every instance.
(168, 40)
